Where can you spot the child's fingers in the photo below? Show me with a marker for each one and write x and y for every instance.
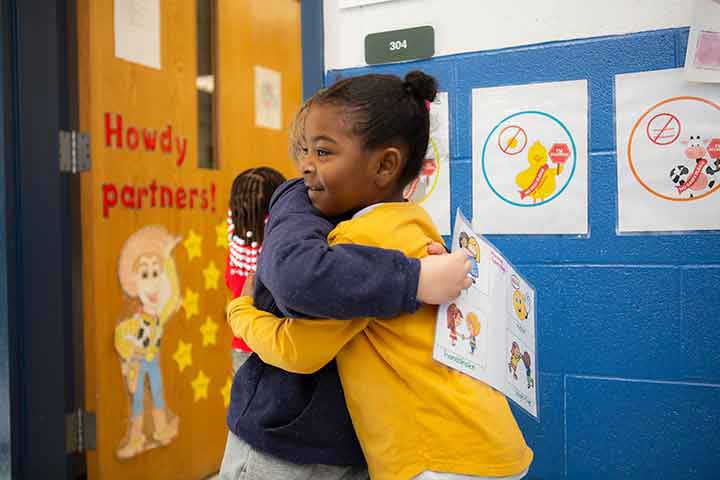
(435, 248)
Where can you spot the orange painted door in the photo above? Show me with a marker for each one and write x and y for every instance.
(157, 347)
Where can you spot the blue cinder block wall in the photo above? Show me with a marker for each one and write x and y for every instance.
(629, 326)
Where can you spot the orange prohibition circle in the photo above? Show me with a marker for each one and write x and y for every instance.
(632, 136)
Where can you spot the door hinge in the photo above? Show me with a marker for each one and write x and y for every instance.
(74, 152)
(80, 434)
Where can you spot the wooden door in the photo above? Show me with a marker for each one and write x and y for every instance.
(151, 215)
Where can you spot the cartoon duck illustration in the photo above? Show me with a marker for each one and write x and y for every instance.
(538, 180)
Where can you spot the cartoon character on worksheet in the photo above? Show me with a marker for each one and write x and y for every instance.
(454, 320)
(517, 355)
(473, 330)
(463, 326)
(472, 248)
(520, 306)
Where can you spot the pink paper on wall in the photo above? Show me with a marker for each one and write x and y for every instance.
(707, 52)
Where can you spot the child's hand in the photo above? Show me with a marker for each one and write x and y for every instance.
(249, 287)
(435, 248)
(443, 277)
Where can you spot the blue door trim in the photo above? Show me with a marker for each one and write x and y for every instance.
(313, 46)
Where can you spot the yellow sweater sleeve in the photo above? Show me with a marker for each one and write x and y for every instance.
(295, 345)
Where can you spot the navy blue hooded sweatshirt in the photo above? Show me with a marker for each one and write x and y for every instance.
(303, 418)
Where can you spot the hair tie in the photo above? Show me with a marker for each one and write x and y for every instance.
(427, 105)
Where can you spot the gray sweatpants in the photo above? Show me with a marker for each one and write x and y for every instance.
(242, 462)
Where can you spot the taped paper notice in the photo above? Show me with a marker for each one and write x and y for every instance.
(137, 31)
(530, 159)
(668, 152)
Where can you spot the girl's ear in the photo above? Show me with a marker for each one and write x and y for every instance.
(388, 166)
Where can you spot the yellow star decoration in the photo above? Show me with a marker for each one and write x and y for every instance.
(209, 332)
(190, 303)
(200, 386)
(225, 392)
(183, 355)
(211, 274)
(222, 235)
(193, 244)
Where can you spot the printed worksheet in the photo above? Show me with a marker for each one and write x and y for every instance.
(488, 332)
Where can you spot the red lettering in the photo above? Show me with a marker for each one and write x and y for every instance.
(127, 196)
(166, 140)
(150, 139)
(136, 197)
(109, 198)
(166, 194)
(110, 130)
(153, 191)
(142, 191)
(180, 197)
(182, 149)
(133, 138)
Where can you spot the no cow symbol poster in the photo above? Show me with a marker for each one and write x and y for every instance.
(668, 153)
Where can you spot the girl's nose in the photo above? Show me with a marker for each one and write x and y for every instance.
(307, 165)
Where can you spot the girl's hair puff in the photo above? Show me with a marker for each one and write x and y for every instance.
(387, 110)
(250, 200)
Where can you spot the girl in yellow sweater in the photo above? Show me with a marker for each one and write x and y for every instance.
(364, 140)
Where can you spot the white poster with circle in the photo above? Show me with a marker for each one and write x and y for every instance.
(668, 152)
(530, 161)
(431, 188)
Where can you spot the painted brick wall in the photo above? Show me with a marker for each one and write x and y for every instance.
(629, 326)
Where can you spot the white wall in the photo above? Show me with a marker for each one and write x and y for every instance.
(473, 25)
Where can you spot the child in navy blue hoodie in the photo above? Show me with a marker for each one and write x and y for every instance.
(290, 426)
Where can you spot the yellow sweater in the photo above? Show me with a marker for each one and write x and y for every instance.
(410, 413)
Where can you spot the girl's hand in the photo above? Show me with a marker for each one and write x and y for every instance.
(249, 287)
(436, 248)
(443, 277)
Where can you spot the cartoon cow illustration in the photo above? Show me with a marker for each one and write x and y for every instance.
(694, 178)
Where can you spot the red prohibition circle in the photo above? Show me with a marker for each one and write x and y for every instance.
(635, 130)
(655, 138)
(506, 148)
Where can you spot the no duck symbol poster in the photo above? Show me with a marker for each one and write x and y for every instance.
(530, 159)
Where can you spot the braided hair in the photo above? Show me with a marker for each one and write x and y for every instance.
(250, 201)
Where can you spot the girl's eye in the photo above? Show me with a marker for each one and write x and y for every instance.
(144, 275)
(155, 274)
(304, 150)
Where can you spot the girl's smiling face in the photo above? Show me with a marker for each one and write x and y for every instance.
(341, 175)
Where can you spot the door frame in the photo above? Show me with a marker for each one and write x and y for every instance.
(37, 104)
(41, 344)
(313, 46)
